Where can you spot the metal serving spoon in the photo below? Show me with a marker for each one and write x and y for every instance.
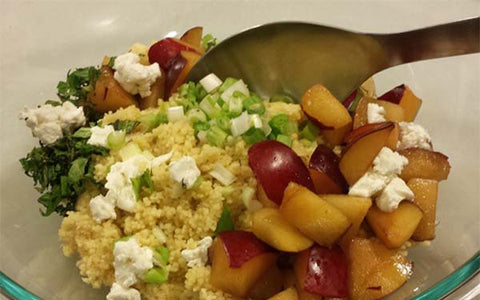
(289, 57)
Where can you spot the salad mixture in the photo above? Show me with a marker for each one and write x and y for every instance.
(204, 190)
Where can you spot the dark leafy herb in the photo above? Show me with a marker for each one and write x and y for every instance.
(225, 223)
(61, 171)
(125, 125)
(76, 88)
(111, 62)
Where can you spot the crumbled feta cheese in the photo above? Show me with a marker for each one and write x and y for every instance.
(389, 163)
(134, 77)
(49, 123)
(199, 255)
(119, 182)
(102, 208)
(184, 171)
(413, 136)
(118, 292)
(175, 113)
(395, 191)
(210, 82)
(375, 113)
(369, 184)
(131, 261)
(222, 174)
(99, 135)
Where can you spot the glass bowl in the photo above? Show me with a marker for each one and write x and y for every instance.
(42, 40)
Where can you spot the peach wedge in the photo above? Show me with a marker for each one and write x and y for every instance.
(313, 216)
(425, 191)
(269, 226)
(425, 164)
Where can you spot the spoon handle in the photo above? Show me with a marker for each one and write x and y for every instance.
(462, 37)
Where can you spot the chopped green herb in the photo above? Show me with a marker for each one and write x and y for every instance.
(125, 125)
(150, 121)
(226, 84)
(142, 181)
(201, 126)
(61, 171)
(116, 140)
(162, 255)
(111, 62)
(216, 136)
(225, 223)
(83, 132)
(281, 124)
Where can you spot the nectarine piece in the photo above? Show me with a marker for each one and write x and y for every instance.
(238, 280)
(374, 270)
(313, 216)
(323, 108)
(425, 191)
(361, 152)
(334, 137)
(109, 94)
(288, 294)
(193, 37)
(393, 112)
(269, 226)
(179, 69)
(354, 208)
(403, 96)
(396, 227)
(425, 164)
(300, 269)
(323, 165)
(269, 284)
(263, 198)
(157, 92)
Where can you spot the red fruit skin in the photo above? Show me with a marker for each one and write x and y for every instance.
(324, 160)
(356, 134)
(275, 165)
(177, 65)
(241, 246)
(347, 102)
(394, 95)
(165, 51)
(326, 272)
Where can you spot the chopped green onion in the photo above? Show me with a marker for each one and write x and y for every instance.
(210, 106)
(161, 255)
(354, 104)
(129, 150)
(226, 84)
(223, 122)
(208, 42)
(256, 121)
(281, 124)
(240, 125)
(239, 87)
(123, 238)
(254, 105)
(235, 107)
(225, 223)
(222, 174)
(156, 276)
(83, 133)
(216, 136)
(253, 135)
(125, 125)
(284, 140)
(282, 98)
(310, 131)
(196, 115)
(116, 140)
(210, 82)
(151, 121)
(201, 126)
(175, 113)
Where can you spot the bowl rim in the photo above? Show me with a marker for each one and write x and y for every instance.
(441, 289)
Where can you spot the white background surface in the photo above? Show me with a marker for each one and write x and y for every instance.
(41, 40)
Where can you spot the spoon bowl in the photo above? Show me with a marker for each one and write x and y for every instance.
(289, 57)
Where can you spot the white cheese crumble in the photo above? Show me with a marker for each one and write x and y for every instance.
(184, 171)
(131, 261)
(199, 255)
(389, 163)
(50, 123)
(99, 135)
(413, 136)
(210, 82)
(383, 179)
(375, 113)
(395, 192)
(134, 77)
(102, 208)
(118, 292)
